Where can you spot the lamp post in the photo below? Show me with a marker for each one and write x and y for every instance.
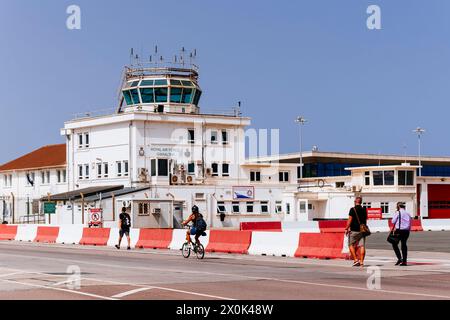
(301, 121)
(419, 131)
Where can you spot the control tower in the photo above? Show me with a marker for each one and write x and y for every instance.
(160, 87)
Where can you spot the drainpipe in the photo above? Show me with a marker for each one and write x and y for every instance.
(82, 208)
(13, 207)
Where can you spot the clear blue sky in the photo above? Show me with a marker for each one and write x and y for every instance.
(362, 90)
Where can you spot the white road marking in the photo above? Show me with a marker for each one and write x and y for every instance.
(128, 293)
(57, 289)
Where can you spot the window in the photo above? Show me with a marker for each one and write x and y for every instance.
(42, 177)
(367, 178)
(221, 207)
(214, 137)
(135, 96)
(80, 172)
(143, 209)
(127, 96)
(255, 176)
(367, 205)
(225, 170)
(160, 94)
(215, 169)
(80, 141)
(302, 207)
(187, 95)
(283, 176)
(147, 95)
(153, 167)
(279, 207)
(175, 95)
(30, 178)
(385, 207)
(99, 170)
(47, 175)
(264, 207)
(119, 168)
(86, 172)
(224, 137)
(7, 180)
(405, 178)
(106, 170)
(340, 185)
(383, 178)
(236, 207)
(163, 167)
(191, 168)
(191, 136)
(288, 208)
(250, 207)
(58, 176)
(125, 169)
(86, 140)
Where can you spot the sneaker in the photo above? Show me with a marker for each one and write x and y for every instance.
(117, 247)
(129, 248)
(356, 264)
(398, 262)
(403, 264)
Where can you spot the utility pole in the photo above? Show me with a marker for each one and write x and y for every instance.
(419, 131)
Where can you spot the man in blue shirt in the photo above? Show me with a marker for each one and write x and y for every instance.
(401, 227)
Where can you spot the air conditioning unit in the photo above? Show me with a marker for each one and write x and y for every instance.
(190, 179)
(143, 175)
(175, 179)
(156, 211)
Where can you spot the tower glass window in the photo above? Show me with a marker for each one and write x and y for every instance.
(160, 95)
(175, 95)
(135, 96)
(127, 96)
(147, 95)
(187, 95)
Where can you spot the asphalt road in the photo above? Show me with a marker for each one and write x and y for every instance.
(39, 271)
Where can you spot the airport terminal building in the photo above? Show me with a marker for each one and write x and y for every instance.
(158, 154)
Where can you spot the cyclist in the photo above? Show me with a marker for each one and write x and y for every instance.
(197, 229)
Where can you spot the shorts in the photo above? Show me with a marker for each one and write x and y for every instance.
(125, 231)
(355, 237)
(197, 232)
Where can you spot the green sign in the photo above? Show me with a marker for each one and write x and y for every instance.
(49, 207)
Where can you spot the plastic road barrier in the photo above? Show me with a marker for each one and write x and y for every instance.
(155, 238)
(321, 245)
(26, 232)
(70, 234)
(229, 241)
(301, 226)
(274, 226)
(95, 236)
(282, 244)
(8, 232)
(179, 238)
(47, 234)
(114, 238)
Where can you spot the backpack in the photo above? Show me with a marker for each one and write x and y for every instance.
(201, 223)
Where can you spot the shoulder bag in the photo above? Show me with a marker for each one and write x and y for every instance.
(363, 228)
(394, 238)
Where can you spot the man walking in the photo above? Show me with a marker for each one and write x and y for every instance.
(124, 225)
(356, 217)
(401, 227)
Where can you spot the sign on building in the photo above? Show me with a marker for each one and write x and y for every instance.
(244, 193)
(95, 217)
(49, 207)
(374, 213)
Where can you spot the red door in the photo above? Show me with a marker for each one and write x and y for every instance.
(438, 201)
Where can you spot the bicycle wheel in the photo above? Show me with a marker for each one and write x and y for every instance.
(200, 252)
(186, 250)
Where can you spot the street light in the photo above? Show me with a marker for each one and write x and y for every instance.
(419, 131)
(301, 121)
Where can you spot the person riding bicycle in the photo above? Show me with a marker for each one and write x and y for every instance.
(198, 225)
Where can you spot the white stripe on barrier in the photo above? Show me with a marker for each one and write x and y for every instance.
(179, 238)
(378, 225)
(301, 226)
(114, 238)
(70, 234)
(436, 224)
(26, 232)
(274, 243)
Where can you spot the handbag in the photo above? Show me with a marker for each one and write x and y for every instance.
(394, 238)
(363, 228)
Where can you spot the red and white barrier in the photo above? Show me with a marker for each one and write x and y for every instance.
(378, 225)
(114, 238)
(154, 238)
(326, 245)
(7, 232)
(229, 241)
(70, 234)
(179, 238)
(47, 234)
(26, 232)
(436, 224)
(281, 244)
(301, 226)
(273, 226)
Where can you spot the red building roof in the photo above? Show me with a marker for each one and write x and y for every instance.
(45, 157)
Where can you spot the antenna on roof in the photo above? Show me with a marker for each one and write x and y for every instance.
(131, 56)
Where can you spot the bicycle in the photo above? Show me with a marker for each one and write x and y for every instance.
(189, 246)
